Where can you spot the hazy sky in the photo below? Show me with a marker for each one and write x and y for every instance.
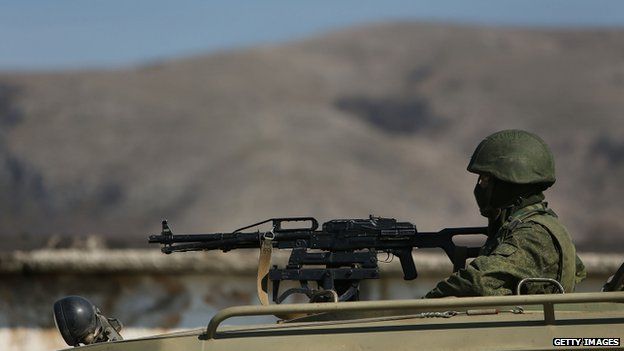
(60, 34)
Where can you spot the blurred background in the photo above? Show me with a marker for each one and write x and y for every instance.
(214, 115)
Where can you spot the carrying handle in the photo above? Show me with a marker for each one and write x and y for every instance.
(277, 224)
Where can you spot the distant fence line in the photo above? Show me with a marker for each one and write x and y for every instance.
(73, 261)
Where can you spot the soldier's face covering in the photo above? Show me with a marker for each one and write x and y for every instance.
(493, 195)
(483, 195)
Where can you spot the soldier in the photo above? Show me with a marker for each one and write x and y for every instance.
(525, 238)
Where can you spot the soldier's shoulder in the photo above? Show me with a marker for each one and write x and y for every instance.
(543, 222)
(531, 233)
(531, 224)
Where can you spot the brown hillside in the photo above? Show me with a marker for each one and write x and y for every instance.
(378, 119)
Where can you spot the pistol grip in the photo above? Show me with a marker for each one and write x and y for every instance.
(407, 264)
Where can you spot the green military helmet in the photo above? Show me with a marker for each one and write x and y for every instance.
(514, 156)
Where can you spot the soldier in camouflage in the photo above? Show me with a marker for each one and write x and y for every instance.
(526, 240)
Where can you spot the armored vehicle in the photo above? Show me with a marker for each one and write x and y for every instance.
(336, 259)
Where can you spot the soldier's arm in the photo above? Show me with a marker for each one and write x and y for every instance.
(528, 252)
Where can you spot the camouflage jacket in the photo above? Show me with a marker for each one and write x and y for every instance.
(520, 248)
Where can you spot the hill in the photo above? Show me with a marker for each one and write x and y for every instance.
(377, 119)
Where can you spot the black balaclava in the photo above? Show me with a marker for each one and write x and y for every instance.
(484, 198)
(500, 195)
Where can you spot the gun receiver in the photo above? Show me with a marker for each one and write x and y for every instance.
(345, 250)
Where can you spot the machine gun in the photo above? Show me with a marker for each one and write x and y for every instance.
(337, 257)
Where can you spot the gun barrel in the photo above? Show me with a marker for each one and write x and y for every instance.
(196, 242)
(186, 238)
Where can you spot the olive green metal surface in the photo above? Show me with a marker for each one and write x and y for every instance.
(577, 315)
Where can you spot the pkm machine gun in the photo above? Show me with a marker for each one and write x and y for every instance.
(336, 257)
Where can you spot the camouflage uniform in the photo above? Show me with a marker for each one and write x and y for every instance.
(526, 239)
